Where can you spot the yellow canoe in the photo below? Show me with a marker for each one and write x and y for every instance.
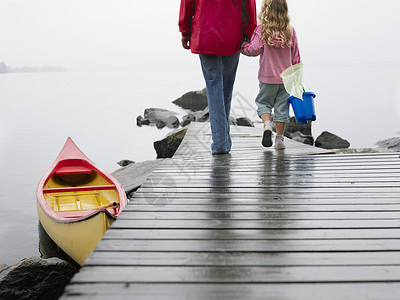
(77, 202)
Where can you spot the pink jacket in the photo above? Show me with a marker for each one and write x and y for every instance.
(217, 27)
(273, 60)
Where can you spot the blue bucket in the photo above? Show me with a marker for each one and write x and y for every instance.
(303, 109)
(308, 99)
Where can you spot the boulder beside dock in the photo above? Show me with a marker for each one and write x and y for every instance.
(35, 278)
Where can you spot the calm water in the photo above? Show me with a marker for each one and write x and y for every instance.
(38, 111)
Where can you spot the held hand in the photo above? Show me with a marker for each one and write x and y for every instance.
(186, 42)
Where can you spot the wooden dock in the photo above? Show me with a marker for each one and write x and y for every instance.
(254, 224)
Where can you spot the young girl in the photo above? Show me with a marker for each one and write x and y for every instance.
(276, 43)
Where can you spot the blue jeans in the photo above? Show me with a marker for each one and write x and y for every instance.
(219, 73)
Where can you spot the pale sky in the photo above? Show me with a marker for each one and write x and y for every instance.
(132, 33)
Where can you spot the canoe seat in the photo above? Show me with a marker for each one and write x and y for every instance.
(79, 189)
(73, 170)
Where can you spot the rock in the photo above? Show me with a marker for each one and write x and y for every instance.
(35, 278)
(193, 101)
(186, 120)
(293, 126)
(202, 115)
(167, 147)
(125, 162)
(162, 117)
(301, 138)
(3, 266)
(392, 144)
(172, 122)
(361, 150)
(161, 112)
(140, 121)
(160, 124)
(133, 175)
(329, 140)
(244, 121)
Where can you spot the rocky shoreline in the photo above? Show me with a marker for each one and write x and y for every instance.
(46, 278)
(195, 103)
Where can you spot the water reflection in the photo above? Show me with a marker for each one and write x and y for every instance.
(274, 177)
(304, 166)
(224, 202)
(220, 178)
(235, 232)
(303, 177)
(227, 229)
(274, 181)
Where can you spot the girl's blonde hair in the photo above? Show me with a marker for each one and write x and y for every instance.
(274, 17)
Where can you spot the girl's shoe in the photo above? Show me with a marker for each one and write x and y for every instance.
(279, 143)
(267, 136)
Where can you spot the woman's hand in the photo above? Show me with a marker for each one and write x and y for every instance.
(186, 42)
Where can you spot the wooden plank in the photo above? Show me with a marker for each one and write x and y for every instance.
(392, 185)
(257, 207)
(247, 180)
(305, 291)
(266, 159)
(188, 215)
(252, 198)
(250, 245)
(318, 174)
(264, 155)
(320, 155)
(271, 165)
(167, 197)
(249, 176)
(261, 190)
(284, 165)
(256, 234)
(272, 155)
(255, 224)
(258, 162)
(289, 168)
(110, 258)
(237, 274)
(259, 165)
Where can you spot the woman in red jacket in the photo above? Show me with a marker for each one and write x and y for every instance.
(215, 29)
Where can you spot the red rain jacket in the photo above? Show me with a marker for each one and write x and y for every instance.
(217, 27)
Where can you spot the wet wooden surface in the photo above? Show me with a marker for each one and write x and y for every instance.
(254, 224)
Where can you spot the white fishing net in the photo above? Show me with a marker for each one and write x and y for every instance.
(293, 80)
